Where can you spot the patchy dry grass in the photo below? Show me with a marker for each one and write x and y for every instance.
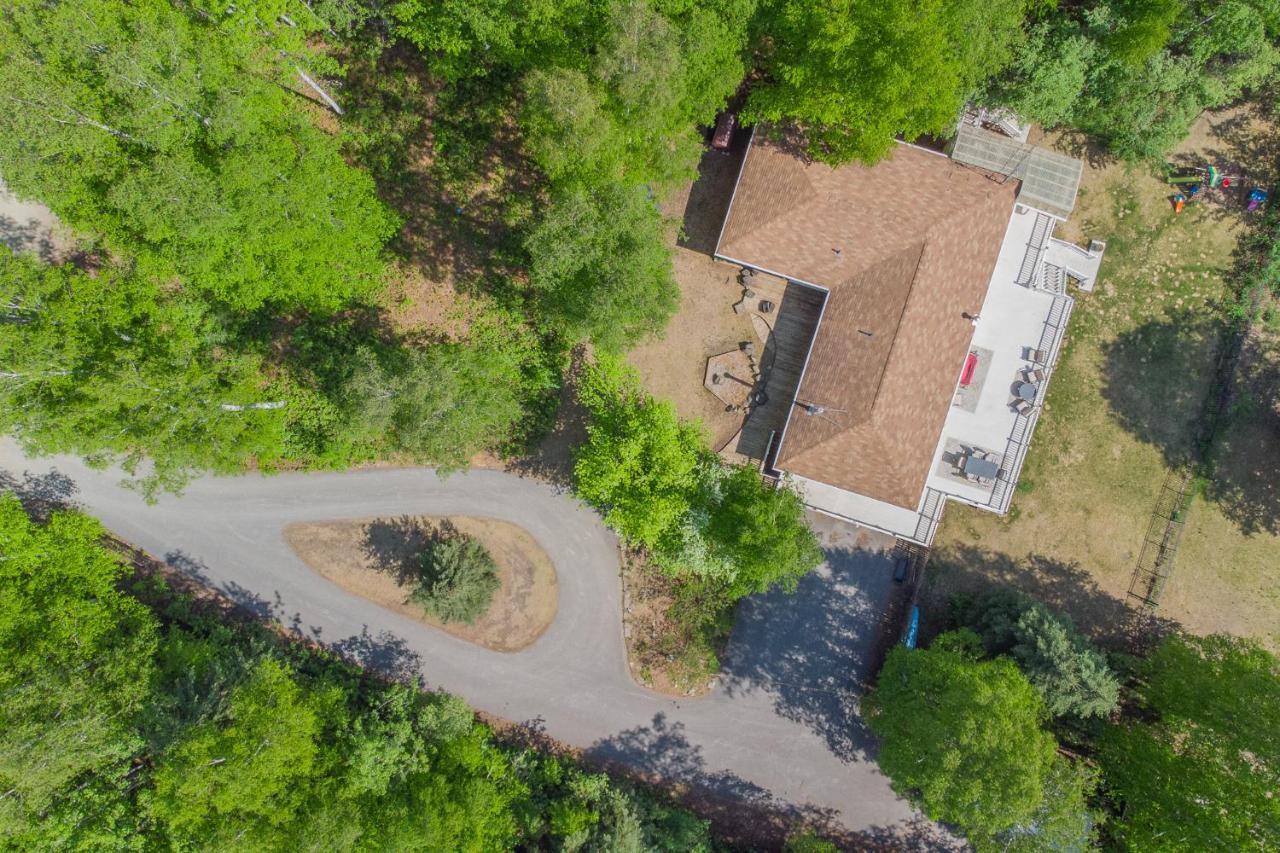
(1228, 572)
(1121, 412)
(377, 559)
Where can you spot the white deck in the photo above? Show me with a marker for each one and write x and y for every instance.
(1080, 264)
(854, 507)
(1010, 323)
(1013, 320)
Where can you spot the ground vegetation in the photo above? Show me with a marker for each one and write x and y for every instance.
(1186, 759)
(1137, 73)
(719, 531)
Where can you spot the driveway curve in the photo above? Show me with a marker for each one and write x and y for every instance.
(771, 734)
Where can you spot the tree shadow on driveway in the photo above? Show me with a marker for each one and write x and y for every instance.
(743, 813)
(40, 494)
(810, 650)
(384, 652)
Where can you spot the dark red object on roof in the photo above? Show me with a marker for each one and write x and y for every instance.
(970, 365)
(724, 130)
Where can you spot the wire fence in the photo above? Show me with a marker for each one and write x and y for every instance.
(1159, 550)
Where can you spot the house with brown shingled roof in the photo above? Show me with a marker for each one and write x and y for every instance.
(938, 324)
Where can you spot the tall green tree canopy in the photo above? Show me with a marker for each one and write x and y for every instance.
(1202, 769)
(177, 135)
(463, 38)
(601, 267)
(855, 74)
(760, 531)
(964, 734)
(640, 464)
(1070, 673)
(1137, 73)
(443, 402)
(239, 778)
(161, 725)
(76, 665)
(105, 366)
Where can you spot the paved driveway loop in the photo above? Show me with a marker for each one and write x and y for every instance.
(778, 730)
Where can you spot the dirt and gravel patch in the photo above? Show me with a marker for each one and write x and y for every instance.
(674, 366)
(376, 558)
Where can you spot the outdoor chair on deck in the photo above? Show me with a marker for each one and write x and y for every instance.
(1021, 406)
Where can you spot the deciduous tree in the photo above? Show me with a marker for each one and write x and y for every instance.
(107, 367)
(601, 267)
(963, 735)
(175, 134)
(640, 464)
(1203, 770)
(855, 74)
(76, 657)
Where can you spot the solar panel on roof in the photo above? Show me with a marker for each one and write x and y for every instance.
(1049, 180)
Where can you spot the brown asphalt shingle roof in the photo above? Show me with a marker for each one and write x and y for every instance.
(917, 238)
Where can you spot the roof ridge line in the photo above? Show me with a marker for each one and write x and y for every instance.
(915, 275)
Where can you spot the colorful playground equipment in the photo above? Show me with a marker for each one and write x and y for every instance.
(1193, 181)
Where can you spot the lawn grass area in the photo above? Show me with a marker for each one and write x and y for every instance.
(1122, 411)
(1228, 572)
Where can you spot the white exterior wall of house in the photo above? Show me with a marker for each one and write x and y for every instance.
(1014, 319)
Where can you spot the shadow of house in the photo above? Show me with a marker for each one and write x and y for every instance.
(1064, 587)
(709, 197)
(812, 650)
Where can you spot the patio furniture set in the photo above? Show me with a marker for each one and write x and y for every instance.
(979, 466)
(1027, 388)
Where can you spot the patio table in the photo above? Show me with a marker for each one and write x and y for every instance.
(983, 469)
(1027, 391)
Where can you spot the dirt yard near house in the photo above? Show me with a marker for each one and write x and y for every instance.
(374, 558)
(1122, 411)
(673, 367)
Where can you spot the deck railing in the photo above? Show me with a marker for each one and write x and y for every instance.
(1051, 338)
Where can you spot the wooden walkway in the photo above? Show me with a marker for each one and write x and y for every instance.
(793, 323)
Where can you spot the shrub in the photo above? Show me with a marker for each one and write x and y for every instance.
(457, 580)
